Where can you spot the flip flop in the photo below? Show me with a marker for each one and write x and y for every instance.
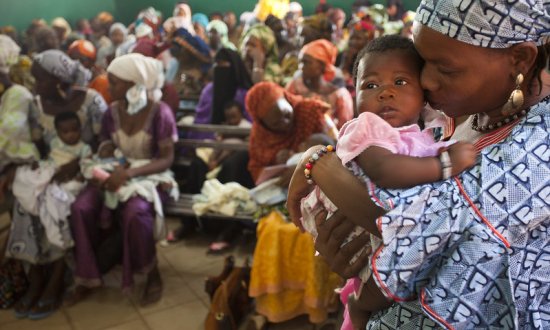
(45, 308)
(218, 247)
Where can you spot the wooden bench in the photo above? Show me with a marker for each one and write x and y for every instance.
(183, 207)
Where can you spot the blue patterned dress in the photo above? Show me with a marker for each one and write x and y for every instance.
(473, 252)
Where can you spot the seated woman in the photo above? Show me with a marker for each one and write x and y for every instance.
(56, 77)
(193, 55)
(287, 279)
(260, 54)
(319, 79)
(142, 128)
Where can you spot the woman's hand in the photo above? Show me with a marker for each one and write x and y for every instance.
(118, 178)
(67, 171)
(299, 188)
(332, 233)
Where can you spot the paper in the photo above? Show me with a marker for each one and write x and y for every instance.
(271, 171)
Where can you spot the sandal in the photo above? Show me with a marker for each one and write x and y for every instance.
(218, 247)
(43, 309)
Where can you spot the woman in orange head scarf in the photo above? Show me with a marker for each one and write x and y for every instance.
(318, 78)
(280, 121)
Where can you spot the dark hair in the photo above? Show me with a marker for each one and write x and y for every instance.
(231, 104)
(65, 116)
(387, 43)
(541, 63)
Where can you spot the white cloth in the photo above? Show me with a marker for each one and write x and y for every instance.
(226, 199)
(144, 186)
(9, 52)
(29, 184)
(180, 20)
(147, 74)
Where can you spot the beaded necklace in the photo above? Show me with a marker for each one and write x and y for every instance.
(489, 127)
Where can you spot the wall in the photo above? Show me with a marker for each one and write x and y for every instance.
(20, 12)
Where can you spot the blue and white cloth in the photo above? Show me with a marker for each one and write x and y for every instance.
(442, 261)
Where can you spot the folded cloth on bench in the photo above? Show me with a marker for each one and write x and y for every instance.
(227, 199)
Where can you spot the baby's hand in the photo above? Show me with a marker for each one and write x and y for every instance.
(463, 156)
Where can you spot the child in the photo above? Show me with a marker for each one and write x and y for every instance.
(41, 191)
(234, 117)
(385, 140)
(104, 162)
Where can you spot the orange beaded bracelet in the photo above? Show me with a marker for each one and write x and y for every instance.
(315, 157)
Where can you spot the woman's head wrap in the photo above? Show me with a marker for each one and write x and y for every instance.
(60, 22)
(222, 30)
(9, 52)
(485, 23)
(119, 26)
(324, 51)
(145, 72)
(61, 66)
(180, 21)
(200, 18)
(83, 47)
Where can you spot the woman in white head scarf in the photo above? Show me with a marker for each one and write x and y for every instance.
(143, 128)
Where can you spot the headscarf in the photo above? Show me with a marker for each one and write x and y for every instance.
(325, 52)
(83, 47)
(276, 8)
(264, 144)
(61, 66)
(144, 30)
(490, 24)
(60, 22)
(226, 82)
(194, 44)
(9, 53)
(118, 26)
(222, 30)
(180, 21)
(200, 18)
(145, 72)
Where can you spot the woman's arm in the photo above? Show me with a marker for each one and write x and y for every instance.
(163, 162)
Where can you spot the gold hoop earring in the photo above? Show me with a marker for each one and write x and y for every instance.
(516, 99)
(61, 92)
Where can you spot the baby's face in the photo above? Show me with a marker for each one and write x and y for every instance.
(388, 84)
(69, 131)
(106, 151)
(233, 116)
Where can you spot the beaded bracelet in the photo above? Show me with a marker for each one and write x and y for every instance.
(446, 165)
(315, 157)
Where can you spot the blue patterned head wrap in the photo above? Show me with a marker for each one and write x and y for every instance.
(486, 23)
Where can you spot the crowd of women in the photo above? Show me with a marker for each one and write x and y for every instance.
(453, 237)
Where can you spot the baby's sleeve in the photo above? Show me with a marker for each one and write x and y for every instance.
(364, 131)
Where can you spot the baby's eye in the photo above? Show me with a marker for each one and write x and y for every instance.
(372, 86)
(400, 82)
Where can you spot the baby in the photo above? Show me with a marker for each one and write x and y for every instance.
(385, 145)
(234, 117)
(47, 188)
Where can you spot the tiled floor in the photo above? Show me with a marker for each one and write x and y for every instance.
(184, 304)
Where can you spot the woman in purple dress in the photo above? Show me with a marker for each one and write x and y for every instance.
(142, 128)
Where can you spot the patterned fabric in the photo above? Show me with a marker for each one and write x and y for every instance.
(13, 283)
(264, 144)
(15, 137)
(90, 114)
(474, 251)
(486, 23)
(58, 64)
